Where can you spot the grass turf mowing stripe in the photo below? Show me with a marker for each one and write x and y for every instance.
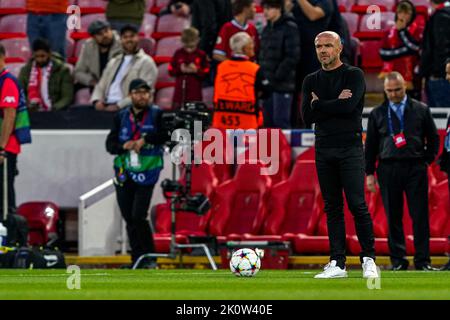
(192, 284)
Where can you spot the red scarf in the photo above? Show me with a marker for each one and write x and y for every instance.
(35, 83)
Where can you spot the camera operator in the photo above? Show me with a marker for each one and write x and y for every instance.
(136, 139)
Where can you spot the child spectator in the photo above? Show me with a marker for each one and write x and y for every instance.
(401, 45)
(190, 66)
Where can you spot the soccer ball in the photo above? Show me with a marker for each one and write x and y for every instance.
(245, 263)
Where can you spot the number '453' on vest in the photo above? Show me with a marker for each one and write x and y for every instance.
(234, 95)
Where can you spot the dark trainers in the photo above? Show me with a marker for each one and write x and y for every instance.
(426, 267)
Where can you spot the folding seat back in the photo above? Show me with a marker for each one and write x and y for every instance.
(164, 78)
(440, 210)
(42, 218)
(8, 7)
(166, 47)
(85, 21)
(164, 98)
(148, 25)
(148, 45)
(352, 21)
(383, 5)
(17, 49)
(291, 203)
(13, 26)
(92, 6)
(262, 146)
(239, 203)
(169, 25)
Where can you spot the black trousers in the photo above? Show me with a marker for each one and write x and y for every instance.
(134, 203)
(395, 179)
(11, 176)
(342, 170)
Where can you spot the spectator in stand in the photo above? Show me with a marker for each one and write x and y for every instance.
(47, 81)
(47, 19)
(125, 12)
(190, 67)
(401, 45)
(208, 16)
(243, 11)
(435, 51)
(180, 8)
(312, 17)
(111, 92)
(95, 54)
(239, 84)
(279, 55)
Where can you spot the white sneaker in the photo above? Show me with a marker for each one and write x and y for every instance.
(369, 268)
(332, 271)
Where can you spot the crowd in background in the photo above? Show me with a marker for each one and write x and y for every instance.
(284, 50)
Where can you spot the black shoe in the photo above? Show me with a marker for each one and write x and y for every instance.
(426, 267)
(399, 267)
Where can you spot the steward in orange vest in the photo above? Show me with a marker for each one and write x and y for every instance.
(238, 81)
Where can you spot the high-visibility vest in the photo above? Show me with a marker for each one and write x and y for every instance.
(234, 95)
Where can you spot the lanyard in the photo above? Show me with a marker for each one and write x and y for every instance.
(135, 126)
(390, 126)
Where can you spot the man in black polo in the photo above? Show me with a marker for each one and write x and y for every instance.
(333, 99)
(402, 136)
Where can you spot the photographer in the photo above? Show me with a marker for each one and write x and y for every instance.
(136, 140)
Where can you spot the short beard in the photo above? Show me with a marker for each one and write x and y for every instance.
(330, 63)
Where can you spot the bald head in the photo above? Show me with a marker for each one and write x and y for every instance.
(328, 49)
(331, 35)
(395, 87)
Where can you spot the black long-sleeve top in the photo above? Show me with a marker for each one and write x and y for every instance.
(422, 138)
(338, 122)
(113, 146)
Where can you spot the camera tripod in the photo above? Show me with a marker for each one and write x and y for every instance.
(177, 194)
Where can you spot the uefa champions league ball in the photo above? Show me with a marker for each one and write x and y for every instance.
(245, 263)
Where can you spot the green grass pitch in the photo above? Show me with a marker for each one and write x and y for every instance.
(221, 285)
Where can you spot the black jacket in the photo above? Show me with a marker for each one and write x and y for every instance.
(114, 147)
(280, 53)
(208, 16)
(422, 139)
(436, 44)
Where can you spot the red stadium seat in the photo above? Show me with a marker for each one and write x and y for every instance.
(170, 25)
(92, 6)
(292, 209)
(86, 20)
(13, 26)
(164, 98)
(370, 56)
(238, 206)
(15, 67)
(70, 47)
(345, 5)
(352, 21)
(12, 7)
(17, 50)
(148, 25)
(187, 223)
(283, 157)
(368, 30)
(42, 218)
(166, 47)
(148, 45)
(362, 5)
(164, 78)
